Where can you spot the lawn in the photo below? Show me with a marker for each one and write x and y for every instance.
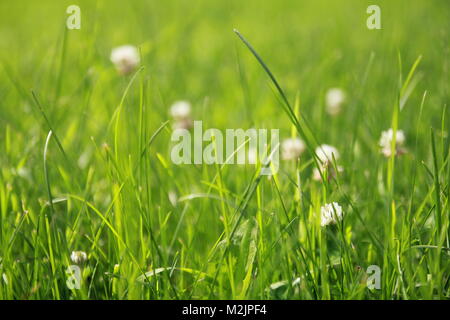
(93, 206)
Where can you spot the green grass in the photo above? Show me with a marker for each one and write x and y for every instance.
(85, 153)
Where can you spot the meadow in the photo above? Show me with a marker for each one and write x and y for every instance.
(93, 207)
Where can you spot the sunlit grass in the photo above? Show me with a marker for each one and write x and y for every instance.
(85, 151)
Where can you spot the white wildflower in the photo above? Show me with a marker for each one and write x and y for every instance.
(292, 148)
(326, 154)
(125, 58)
(330, 213)
(78, 257)
(334, 100)
(386, 140)
(181, 113)
(180, 110)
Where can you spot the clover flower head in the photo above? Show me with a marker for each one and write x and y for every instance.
(334, 100)
(125, 58)
(326, 153)
(78, 257)
(330, 213)
(292, 148)
(180, 110)
(181, 113)
(386, 141)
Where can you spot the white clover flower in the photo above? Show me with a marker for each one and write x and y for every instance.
(292, 148)
(334, 100)
(181, 113)
(326, 153)
(330, 213)
(386, 140)
(125, 58)
(180, 110)
(78, 257)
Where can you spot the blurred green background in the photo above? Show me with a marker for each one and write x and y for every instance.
(190, 51)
